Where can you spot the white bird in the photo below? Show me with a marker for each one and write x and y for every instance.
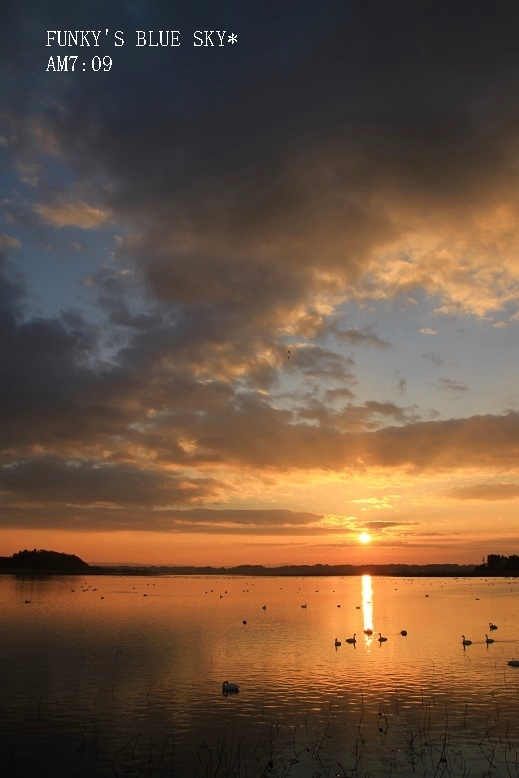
(489, 640)
(381, 639)
(227, 686)
(353, 639)
(465, 642)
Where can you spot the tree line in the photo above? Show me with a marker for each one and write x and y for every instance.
(499, 564)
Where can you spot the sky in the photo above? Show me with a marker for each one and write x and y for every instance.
(259, 297)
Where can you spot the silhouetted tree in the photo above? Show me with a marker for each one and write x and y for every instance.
(47, 560)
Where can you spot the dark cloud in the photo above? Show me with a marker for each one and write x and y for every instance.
(106, 516)
(477, 441)
(46, 480)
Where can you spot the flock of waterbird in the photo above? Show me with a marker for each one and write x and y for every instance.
(352, 641)
(229, 688)
(466, 642)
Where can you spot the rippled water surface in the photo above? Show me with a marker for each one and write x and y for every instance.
(105, 676)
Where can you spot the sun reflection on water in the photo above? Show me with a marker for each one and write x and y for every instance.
(367, 608)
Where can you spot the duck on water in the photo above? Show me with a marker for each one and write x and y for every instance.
(228, 687)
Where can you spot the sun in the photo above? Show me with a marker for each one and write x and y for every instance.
(364, 537)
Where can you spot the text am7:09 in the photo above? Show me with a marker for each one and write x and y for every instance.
(68, 63)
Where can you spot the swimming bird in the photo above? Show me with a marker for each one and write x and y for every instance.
(353, 639)
(489, 640)
(381, 639)
(337, 642)
(368, 631)
(492, 626)
(465, 642)
(513, 662)
(403, 632)
(227, 687)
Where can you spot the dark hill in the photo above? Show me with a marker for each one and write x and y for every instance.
(43, 561)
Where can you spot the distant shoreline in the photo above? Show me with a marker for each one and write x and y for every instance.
(305, 571)
(292, 572)
(40, 562)
(285, 571)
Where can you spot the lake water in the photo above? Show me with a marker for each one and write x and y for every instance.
(122, 676)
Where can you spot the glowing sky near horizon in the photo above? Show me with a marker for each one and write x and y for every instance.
(259, 299)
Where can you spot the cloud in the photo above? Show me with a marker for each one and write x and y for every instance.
(354, 337)
(48, 479)
(450, 385)
(157, 404)
(7, 242)
(376, 526)
(374, 503)
(478, 441)
(485, 491)
(436, 359)
(72, 214)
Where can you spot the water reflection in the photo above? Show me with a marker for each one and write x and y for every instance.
(367, 608)
(146, 673)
